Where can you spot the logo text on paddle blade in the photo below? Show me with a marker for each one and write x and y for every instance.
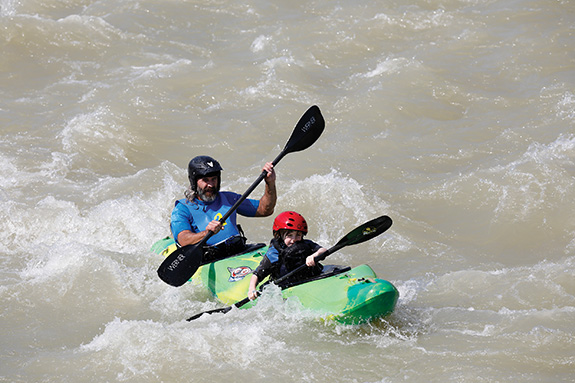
(308, 124)
(369, 230)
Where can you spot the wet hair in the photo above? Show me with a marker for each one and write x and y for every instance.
(189, 193)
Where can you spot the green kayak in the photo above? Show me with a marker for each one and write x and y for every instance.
(343, 294)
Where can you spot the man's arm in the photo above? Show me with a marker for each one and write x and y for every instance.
(188, 237)
(268, 200)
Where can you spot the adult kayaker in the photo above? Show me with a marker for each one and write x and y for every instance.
(288, 250)
(197, 214)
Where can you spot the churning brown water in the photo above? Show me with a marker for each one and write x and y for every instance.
(454, 117)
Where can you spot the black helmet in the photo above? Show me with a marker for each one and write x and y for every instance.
(202, 166)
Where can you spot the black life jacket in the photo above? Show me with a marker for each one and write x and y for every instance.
(290, 258)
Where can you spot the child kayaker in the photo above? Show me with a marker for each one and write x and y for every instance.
(288, 250)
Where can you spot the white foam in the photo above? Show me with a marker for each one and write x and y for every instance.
(260, 43)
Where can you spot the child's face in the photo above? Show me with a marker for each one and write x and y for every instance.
(292, 237)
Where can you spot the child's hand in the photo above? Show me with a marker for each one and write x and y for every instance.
(310, 261)
(252, 294)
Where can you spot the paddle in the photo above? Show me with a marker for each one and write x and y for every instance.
(360, 234)
(179, 266)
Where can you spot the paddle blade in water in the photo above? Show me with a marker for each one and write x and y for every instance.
(179, 266)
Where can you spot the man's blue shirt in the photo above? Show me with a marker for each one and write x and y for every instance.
(195, 215)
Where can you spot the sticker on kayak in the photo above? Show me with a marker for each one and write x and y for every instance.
(238, 273)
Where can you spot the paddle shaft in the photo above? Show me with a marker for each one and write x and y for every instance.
(307, 131)
(243, 197)
(320, 257)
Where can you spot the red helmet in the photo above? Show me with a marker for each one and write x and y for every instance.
(290, 220)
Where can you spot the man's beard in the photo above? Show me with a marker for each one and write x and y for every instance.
(207, 198)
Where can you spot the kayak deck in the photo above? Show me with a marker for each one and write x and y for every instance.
(227, 279)
(348, 295)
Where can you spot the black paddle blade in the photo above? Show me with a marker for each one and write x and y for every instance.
(308, 129)
(222, 310)
(214, 311)
(367, 231)
(179, 266)
(361, 234)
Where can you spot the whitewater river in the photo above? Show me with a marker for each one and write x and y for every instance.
(456, 118)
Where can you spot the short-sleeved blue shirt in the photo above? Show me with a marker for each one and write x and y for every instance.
(195, 215)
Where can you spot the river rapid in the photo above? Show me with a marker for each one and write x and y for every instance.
(456, 118)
